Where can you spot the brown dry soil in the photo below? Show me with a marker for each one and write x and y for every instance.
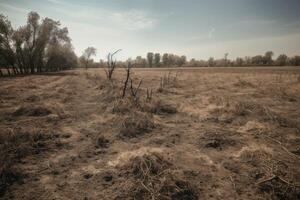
(218, 133)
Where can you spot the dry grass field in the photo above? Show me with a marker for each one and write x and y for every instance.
(209, 133)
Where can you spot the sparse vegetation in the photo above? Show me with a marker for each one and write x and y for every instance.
(230, 130)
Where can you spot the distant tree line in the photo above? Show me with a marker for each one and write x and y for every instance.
(259, 60)
(40, 45)
(172, 60)
(158, 60)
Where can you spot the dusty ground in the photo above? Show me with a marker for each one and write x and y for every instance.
(229, 133)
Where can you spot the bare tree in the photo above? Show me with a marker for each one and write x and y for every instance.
(127, 79)
(87, 54)
(111, 64)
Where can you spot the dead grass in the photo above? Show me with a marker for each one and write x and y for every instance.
(210, 130)
(39, 110)
(160, 107)
(136, 124)
(276, 181)
(16, 144)
(243, 83)
(32, 110)
(217, 141)
(102, 142)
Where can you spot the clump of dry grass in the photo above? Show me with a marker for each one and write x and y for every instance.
(40, 110)
(247, 108)
(276, 180)
(159, 107)
(154, 177)
(122, 106)
(218, 141)
(279, 188)
(32, 110)
(148, 165)
(136, 124)
(16, 144)
(167, 81)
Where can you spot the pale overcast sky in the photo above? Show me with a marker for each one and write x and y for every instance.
(195, 28)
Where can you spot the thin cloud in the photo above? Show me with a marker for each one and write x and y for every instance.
(134, 20)
(14, 8)
(57, 2)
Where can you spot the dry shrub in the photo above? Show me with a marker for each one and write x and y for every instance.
(159, 107)
(16, 144)
(154, 177)
(136, 124)
(152, 164)
(123, 106)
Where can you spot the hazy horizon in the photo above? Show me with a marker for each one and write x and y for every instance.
(197, 29)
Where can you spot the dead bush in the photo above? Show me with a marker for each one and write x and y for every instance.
(136, 124)
(167, 81)
(279, 188)
(154, 177)
(152, 164)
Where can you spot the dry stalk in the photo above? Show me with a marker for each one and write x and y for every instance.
(111, 65)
